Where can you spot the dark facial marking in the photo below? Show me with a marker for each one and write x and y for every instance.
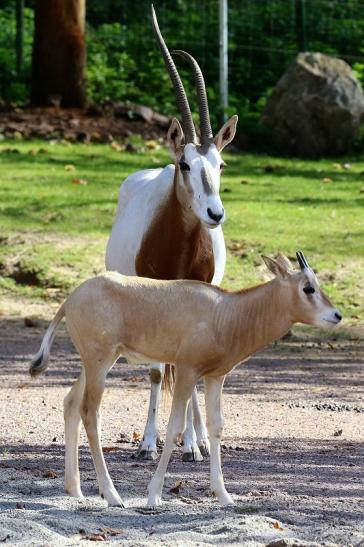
(205, 182)
(174, 135)
(184, 166)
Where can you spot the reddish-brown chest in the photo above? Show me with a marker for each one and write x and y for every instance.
(171, 249)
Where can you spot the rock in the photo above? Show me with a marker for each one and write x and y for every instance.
(316, 107)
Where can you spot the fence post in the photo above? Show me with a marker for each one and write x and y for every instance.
(301, 24)
(223, 46)
(19, 38)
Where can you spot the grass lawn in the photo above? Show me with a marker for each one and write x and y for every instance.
(53, 231)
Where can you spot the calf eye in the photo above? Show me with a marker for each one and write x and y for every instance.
(308, 289)
(184, 166)
(222, 166)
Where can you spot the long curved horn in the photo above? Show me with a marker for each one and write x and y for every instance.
(187, 122)
(205, 125)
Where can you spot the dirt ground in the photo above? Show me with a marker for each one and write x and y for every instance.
(292, 452)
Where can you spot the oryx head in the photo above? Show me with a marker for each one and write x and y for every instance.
(307, 302)
(198, 162)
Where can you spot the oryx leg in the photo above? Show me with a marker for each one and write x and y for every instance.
(215, 423)
(200, 427)
(147, 449)
(72, 423)
(90, 413)
(185, 382)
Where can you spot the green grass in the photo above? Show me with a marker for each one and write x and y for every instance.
(55, 232)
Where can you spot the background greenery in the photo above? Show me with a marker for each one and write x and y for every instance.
(125, 64)
(54, 231)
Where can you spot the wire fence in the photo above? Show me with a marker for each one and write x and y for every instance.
(264, 36)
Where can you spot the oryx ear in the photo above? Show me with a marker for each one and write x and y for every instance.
(277, 268)
(285, 261)
(175, 138)
(226, 133)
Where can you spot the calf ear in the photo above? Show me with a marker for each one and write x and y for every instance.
(175, 138)
(226, 133)
(285, 261)
(277, 268)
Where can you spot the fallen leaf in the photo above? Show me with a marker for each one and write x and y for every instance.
(277, 525)
(136, 436)
(347, 165)
(80, 181)
(20, 505)
(327, 180)
(113, 531)
(152, 145)
(95, 537)
(50, 474)
(108, 449)
(176, 487)
(69, 167)
(338, 433)
(22, 385)
(245, 182)
(116, 146)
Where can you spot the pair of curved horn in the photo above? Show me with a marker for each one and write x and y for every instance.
(187, 121)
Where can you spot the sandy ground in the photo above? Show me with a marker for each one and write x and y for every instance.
(292, 453)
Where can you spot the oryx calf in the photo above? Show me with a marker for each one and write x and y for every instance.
(203, 330)
(168, 226)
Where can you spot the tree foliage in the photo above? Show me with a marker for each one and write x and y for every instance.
(124, 62)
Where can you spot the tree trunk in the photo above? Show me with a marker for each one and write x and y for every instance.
(59, 53)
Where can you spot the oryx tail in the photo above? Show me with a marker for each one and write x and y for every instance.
(40, 362)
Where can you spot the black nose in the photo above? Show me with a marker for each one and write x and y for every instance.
(215, 217)
(338, 316)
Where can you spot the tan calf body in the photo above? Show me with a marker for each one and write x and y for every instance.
(201, 329)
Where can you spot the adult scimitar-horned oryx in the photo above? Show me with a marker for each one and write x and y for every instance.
(203, 330)
(168, 226)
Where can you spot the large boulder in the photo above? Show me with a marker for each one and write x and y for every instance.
(316, 107)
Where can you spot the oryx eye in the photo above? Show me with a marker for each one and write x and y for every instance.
(184, 166)
(308, 289)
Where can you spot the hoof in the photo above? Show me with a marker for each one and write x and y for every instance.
(113, 499)
(75, 492)
(147, 455)
(192, 456)
(204, 449)
(154, 501)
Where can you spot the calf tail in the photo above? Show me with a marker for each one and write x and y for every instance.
(40, 362)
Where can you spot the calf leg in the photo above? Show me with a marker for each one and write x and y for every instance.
(191, 450)
(72, 421)
(215, 423)
(185, 382)
(148, 447)
(95, 383)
